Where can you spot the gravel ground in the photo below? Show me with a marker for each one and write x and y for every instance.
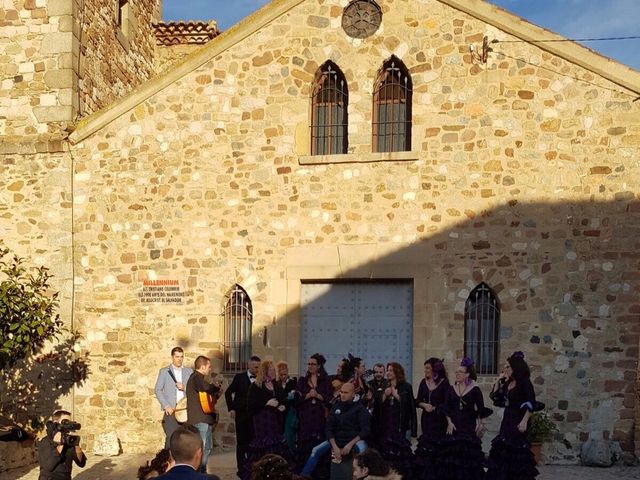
(124, 467)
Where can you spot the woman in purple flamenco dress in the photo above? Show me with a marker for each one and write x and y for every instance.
(398, 421)
(266, 403)
(430, 399)
(313, 394)
(461, 456)
(510, 457)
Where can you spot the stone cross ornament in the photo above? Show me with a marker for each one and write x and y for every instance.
(361, 18)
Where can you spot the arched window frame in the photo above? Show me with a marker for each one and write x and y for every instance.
(392, 108)
(329, 111)
(238, 319)
(482, 329)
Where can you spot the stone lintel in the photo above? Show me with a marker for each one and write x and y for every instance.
(308, 256)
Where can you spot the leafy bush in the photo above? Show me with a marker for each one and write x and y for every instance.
(541, 427)
(28, 315)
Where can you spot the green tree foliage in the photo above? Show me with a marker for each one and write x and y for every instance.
(28, 315)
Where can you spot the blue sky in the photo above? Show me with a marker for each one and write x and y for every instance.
(570, 18)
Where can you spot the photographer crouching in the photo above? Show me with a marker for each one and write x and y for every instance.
(60, 448)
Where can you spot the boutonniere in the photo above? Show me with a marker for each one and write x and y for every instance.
(337, 412)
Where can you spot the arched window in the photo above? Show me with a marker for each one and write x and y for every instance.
(392, 108)
(238, 316)
(330, 101)
(482, 329)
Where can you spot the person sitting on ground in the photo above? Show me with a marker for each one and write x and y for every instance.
(273, 467)
(370, 465)
(186, 449)
(159, 465)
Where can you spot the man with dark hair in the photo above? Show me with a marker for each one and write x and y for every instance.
(170, 387)
(186, 450)
(200, 413)
(55, 456)
(236, 397)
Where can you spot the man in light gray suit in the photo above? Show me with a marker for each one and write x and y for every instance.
(170, 388)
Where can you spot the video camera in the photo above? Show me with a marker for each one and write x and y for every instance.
(65, 427)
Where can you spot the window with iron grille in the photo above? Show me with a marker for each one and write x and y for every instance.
(238, 316)
(482, 329)
(330, 101)
(392, 108)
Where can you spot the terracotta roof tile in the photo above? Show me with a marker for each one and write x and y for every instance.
(185, 33)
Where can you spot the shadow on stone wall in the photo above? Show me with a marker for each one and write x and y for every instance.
(568, 278)
(34, 388)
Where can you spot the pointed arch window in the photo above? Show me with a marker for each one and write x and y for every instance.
(392, 97)
(238, 317)
(482, 329)
(330, 102)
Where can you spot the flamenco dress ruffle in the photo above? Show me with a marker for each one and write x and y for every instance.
(426, 459)
(461, 458)
(510, 460)
(394, 446)
(268, 438)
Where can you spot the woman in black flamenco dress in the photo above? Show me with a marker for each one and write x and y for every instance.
(313, 393)
(510, 457)
(461, 456)
(266, 403)
(398, 421)
(430, 399)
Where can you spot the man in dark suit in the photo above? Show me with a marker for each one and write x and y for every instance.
(236, 397)
(170, 387)
(185, 445)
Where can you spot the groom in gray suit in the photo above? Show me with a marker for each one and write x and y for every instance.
(170, 388)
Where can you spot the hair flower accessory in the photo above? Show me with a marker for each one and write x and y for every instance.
(319, 358)
(466, 362)
(518, 354)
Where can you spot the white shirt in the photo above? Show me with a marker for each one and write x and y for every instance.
(178, 374)
(251, 378)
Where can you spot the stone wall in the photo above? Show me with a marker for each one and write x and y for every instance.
(35, 217)
(524, 175)
(37, 71)
(113, 62)
(67, 58)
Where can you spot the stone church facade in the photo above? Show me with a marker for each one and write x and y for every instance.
(519, 176)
